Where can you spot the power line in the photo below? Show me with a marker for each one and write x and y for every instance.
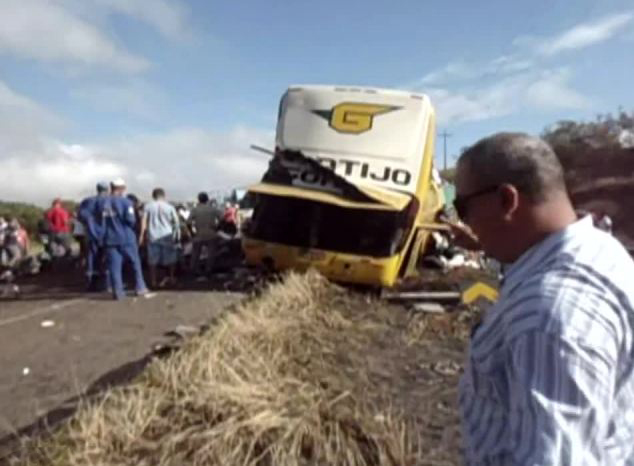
(445, 135)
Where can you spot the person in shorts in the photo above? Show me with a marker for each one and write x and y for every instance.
(160, 227)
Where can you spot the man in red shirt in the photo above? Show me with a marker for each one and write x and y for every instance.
(59, 222)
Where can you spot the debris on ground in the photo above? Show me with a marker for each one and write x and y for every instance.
(428, 307)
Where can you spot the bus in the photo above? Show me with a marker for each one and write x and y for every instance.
(351, 189)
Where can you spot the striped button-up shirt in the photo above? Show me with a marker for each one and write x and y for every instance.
(549, 378)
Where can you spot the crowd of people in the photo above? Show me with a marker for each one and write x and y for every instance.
(117, 235)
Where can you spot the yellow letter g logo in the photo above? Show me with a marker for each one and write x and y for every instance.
(356, 118)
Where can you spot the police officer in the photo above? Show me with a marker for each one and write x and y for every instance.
(94, 233)
(116, 214)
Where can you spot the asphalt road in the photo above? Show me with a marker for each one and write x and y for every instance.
(57, 343)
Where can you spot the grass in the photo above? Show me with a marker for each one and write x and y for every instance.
(284, 379)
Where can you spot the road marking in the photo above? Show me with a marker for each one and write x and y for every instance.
(43, 310)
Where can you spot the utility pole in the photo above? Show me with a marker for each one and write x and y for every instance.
(445, 135)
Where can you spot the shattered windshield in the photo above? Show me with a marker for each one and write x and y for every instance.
(311, 224)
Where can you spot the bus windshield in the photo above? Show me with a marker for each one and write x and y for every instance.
(312, 224)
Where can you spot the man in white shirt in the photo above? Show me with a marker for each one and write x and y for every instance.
(550, 373)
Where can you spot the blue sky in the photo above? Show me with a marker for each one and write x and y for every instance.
(172, 92)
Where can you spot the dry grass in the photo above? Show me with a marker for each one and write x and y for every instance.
(297, 376)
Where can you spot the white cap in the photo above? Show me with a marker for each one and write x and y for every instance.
(118, 183)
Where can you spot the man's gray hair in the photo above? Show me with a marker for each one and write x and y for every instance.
(524, 161)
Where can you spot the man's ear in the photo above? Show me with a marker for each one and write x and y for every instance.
(509, 200)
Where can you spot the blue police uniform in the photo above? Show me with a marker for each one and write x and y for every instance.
(116, 214)
(94, 232)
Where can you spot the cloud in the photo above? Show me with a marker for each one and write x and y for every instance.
(184, 161)
(462, 70)
(586, 34)
(552, 92)
(37, 164)
(54, 170)
(535, 91)
(169, 18)
(525, 79)
(191, 159)
(46, 31)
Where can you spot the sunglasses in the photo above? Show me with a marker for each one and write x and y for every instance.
(461, 203)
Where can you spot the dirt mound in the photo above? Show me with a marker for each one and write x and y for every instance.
(602, 181)
(308, 373)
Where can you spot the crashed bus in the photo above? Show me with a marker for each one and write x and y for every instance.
(350, 189)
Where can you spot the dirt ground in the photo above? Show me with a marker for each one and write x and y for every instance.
(94, 343)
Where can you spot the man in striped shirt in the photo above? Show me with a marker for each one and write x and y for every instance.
(550, 373)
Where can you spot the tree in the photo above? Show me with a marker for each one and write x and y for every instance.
(607, 132)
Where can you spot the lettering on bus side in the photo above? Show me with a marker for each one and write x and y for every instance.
(362, 170)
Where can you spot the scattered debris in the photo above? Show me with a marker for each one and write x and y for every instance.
(428, 307)
(162, 350)
(447, 296)
(10, 290)
(446, 367)
(183, 331)
(243, 279)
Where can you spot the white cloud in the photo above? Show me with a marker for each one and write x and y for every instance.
(184, 161)
(187, 160)
(586, 34)
(524, 79)
(536, 91)
(552, 92)
(461, 70)
(53, 170)
(169, 17)
(36, 164)
(46, 31)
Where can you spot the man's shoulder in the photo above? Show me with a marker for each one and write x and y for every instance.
(150, 206)
(203, 208)
(86, 201)
(124, 201)
(570, 299)
(169, 206)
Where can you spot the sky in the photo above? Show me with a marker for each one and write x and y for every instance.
(172, 93)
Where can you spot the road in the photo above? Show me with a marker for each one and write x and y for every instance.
(93, 342)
